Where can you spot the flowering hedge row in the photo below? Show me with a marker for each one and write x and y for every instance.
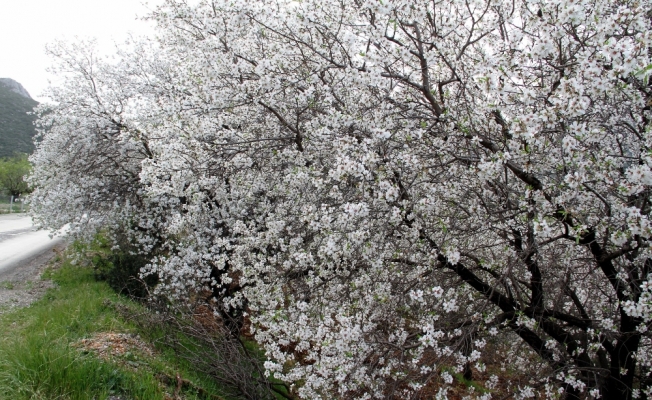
(380, 187)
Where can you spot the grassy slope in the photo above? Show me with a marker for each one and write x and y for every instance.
(16, 129)
(38, 359)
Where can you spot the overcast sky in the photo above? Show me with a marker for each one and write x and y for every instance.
(26, 26)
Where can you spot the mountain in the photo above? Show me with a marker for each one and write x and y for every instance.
(16, 126)
(15, 87)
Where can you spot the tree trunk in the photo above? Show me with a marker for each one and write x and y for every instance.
(618, 384)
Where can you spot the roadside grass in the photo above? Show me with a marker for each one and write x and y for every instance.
(40, 356)
(6, 285)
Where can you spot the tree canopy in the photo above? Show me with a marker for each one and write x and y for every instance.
(13, 171)
(379, 190)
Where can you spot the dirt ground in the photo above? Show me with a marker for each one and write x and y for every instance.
(22, 286)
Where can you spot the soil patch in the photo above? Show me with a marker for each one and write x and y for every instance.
(110, 344)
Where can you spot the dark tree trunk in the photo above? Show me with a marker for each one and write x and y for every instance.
(620, 381)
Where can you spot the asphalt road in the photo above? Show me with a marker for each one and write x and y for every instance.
(21, 244)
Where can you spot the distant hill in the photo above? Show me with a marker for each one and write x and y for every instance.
(16, 126)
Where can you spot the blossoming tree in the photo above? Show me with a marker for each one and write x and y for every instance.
(382, 188)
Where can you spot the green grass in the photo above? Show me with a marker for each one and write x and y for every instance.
(6, 285)
(38, 359)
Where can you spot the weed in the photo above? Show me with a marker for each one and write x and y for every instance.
(39, 359)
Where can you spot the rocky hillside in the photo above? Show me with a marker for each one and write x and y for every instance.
(16, 126)
(15, 87)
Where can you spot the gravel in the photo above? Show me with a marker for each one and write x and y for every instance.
(22, 286)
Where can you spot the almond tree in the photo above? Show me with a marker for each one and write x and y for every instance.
(382, 188)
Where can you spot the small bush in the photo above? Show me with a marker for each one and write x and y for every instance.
(197, 336)
(120, 269)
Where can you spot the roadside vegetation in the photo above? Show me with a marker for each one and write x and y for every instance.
(13, 186)
(77, 342)
(97, 335)
(13, 170)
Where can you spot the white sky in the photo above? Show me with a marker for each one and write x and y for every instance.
(26, 26)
